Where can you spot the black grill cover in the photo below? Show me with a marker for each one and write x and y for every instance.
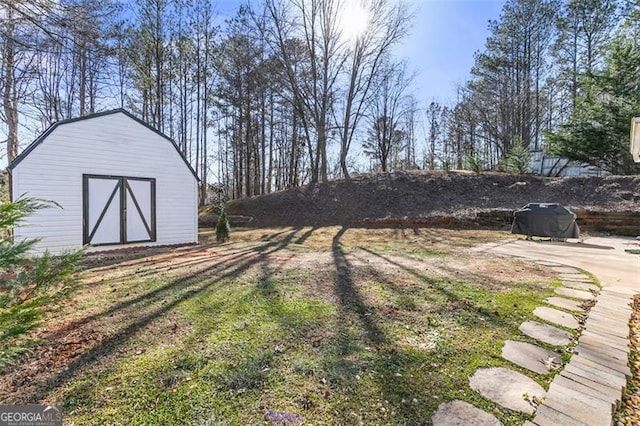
(545, 220)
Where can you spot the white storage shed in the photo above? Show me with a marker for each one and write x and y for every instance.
(118, 181)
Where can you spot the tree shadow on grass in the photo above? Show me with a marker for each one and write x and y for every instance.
(148, 307)
(306, 235)
(342, 355)
(107, 259)
(430, 235)
(351, 301)
(387, 359)
(154, 266)
(452, 298)
(236, 264)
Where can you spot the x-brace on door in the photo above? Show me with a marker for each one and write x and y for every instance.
(118, 209)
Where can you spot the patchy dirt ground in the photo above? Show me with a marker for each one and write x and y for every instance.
(433, 198)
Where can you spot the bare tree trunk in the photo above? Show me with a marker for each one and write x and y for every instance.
(346, 133)
(248, 135)
(293, 156)
(263, 143)
(9, 98)
(205, 127)
(158, 59)
(198, 83)
(82, 75)
(271, 130)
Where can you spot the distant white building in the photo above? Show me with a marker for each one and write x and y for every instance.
(551, 165)
(118, 181)
(635, 139)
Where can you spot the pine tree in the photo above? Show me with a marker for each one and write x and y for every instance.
(22, 276)
(507, 87)
(222, 228)
(517, 160)
(598, 133)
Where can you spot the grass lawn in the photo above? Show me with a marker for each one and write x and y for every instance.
(320, 326)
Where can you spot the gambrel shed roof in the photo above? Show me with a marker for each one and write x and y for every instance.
(57, 124)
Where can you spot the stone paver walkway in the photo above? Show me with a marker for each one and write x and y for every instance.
(507, 388)
(531, 357)
(556, 316)
(590, 386)
(461, 413)
(603, 257)
(563, 303)
(576, 294)
(579, 285)
(546, 333)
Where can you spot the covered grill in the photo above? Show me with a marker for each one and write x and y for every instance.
(545, 220)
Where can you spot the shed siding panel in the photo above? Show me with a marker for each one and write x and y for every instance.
(107, 145)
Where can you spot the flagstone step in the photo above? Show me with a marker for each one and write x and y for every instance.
(532, 357)
(580, 285)
(546, 333)
(461, 413)
(555, 316)
(569, 270)
(507, 388)
(576, 278)
(576, 294)
(568, 304)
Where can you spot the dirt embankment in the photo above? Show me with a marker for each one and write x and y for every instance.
(447, 199)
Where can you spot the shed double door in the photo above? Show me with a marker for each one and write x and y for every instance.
(118, 209)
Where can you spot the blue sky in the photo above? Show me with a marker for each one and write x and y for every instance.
(444, 36)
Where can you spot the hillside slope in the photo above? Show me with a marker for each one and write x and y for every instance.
(433, 198)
